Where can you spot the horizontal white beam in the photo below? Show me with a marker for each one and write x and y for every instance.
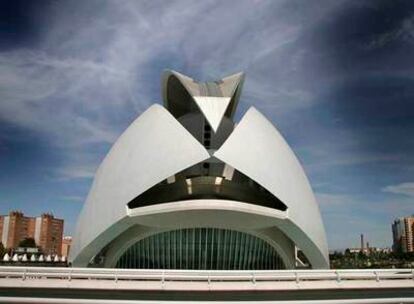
(54, 277)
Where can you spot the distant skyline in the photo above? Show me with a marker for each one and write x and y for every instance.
(335, 77)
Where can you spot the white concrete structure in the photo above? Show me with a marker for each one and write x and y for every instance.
(184, 187)
(5, 232)
(6, 257)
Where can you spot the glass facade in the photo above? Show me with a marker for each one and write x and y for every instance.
(201, 248)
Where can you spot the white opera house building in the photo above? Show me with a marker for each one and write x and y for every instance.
(187, 187)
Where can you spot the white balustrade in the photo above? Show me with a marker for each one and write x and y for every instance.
(337, 276)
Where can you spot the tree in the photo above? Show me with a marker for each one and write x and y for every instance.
(27, 243)
(361, 255)
(2, 250)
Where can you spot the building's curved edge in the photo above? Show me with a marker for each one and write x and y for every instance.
(236, 91)
(149, 146)
(268, 160)
(142, 222)
(208, 204)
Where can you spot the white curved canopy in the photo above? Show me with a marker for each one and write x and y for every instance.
(257, 149)
(154, 147)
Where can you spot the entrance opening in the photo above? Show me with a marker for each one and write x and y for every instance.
(201, 248)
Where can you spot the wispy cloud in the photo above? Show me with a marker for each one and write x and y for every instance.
(406, 189)
(81, 87)
(96, 66)
(331, 199)
(404, 31)
(74, 171)
(73, 198)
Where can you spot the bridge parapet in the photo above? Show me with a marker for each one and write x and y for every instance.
(66, 283)
(341, 277)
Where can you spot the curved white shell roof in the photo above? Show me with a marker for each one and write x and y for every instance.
(257, 149)
(154, 147)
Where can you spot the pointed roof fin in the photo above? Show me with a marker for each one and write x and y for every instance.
(228, 85)
(214, 99)
(213, 108)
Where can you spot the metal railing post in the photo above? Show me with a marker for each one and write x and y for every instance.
(338, 278)
(253, 278)
(377, 278)
(297, 277)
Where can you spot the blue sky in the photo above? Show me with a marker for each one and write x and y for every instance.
(335, 77)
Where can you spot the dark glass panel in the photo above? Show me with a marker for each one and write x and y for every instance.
(201, 248)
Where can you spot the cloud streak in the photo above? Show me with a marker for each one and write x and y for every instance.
(406, 189)
(79, 87)
(336, 86)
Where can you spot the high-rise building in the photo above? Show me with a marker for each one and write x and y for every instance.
(66, 243)
(16, 227)
(46, 230)
(403, 234)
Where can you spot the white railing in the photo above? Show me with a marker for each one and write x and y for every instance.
(378, 275)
